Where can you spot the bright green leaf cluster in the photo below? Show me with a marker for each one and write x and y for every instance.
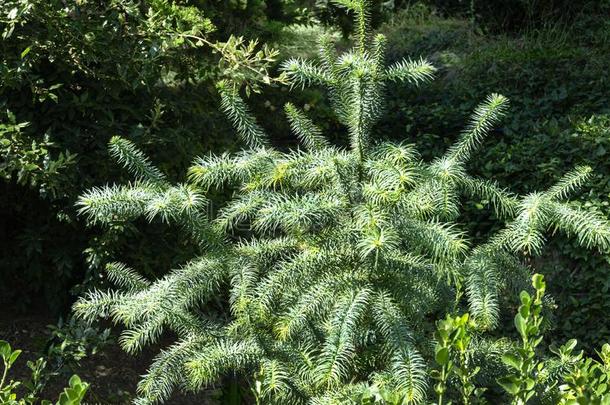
(72, 395)
(524, 363)
(452, 354)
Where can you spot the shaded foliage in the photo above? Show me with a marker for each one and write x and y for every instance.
(73, 75)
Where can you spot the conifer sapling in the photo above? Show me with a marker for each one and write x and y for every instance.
(328, 262)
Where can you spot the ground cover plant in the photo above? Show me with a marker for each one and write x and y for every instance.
(325, 271)
(555, 78)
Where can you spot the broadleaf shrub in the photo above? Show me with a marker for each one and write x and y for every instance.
(554, 375)
(27, 392)
(74, 74)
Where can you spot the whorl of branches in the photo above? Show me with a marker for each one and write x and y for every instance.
(333, 259)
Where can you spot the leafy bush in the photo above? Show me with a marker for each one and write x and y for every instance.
(71, 76)
(532, 375)
(511, 16)
(70, 342)
(72, 395)
(322, 272)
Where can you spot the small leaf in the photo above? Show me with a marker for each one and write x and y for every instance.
(509, 384)
(5, 349)
(12, 14)
(538, 281)
(570, 345)
(521, 325)
(74, 380)
(13, 357)
(63, 399)
(525, 298)
(25, 52)
(442, 356)
(511, 360)
(524, 310)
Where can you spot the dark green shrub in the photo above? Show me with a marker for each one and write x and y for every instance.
(559, 90)
(517, 15)
(71, 76)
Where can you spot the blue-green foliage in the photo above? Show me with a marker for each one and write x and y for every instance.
(334, 259)
(555, 75)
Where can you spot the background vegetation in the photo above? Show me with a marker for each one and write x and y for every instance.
(74, 75)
